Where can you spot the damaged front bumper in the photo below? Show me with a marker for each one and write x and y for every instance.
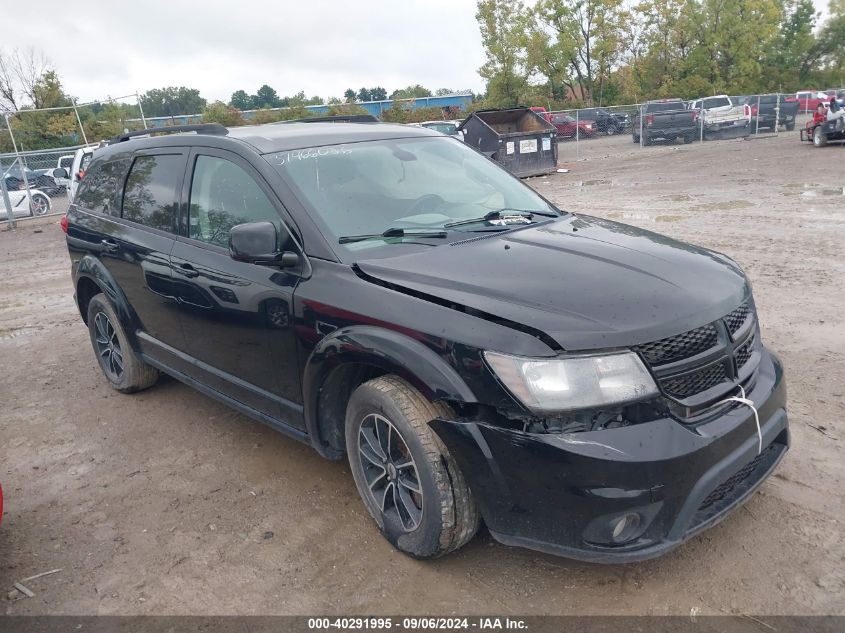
(625, 494)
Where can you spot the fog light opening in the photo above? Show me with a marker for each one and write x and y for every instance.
(625, 527)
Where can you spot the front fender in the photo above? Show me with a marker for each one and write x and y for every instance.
(387, 350)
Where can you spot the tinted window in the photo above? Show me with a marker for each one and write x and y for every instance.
(717, 102)
(665, 107)
(587, 114)
(223, 195)
(150, 194)
(99, 189)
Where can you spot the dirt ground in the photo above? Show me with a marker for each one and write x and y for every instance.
(167, 502)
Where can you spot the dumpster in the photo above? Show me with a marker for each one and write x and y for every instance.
(520, 140)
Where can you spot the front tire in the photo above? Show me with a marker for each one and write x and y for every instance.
(124, 371)
(409, 482)
(819, 138)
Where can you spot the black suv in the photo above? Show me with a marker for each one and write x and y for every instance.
(389, 295)
(606, 121)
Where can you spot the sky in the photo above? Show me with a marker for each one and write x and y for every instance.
(113, 48)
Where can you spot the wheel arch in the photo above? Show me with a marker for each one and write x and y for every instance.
(94, 278)
(353, 355)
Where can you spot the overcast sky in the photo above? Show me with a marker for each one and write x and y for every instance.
(111, 48)
(103, 48)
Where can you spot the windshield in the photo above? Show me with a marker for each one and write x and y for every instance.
(416, 184)
(443, 128)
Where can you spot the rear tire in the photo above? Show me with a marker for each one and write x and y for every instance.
(118, 362)
(636, 139)
(647, 141)
(689, 138)
(409, 482)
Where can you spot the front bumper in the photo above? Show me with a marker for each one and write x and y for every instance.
(556, 493)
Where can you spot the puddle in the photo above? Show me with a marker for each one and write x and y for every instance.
(724, 205)
(668, 218)
(678, 197)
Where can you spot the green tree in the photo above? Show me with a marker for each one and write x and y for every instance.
(503, 26)
(219, 112)
(350, 95)
(364, 95)
(172, 101)
(411, 92)
(241, 100)
(378, 94)
(266, 97)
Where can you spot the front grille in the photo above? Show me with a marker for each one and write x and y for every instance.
(736, 319)
(689, 367)
(695, 382)
(685, 345)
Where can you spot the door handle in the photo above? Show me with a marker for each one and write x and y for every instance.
(187, 270)
(110, 245)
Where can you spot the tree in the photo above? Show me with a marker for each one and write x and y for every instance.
(378, 94)
(172, 101)
(502, 26)
(20, 73)
(364, 95)
(219, 112)
(411, 92)
(266, 97)
(241, 100)
(350, 95)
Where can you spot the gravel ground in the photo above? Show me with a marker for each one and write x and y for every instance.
(167, 502)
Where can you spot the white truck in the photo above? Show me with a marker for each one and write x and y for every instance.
(719, 114)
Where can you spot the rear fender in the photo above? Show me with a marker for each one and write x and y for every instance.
(92, 268)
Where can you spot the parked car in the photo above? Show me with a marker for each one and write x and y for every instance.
(81, 158)
(718, 114)
(606, 121)
(664, 119)
(396, 299)
(809, 100)
(17, 178)
(25, 204)
(449, 128)
(60, 176)
(771, 110)
(568, 127)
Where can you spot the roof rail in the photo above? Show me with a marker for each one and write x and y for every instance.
(201, 128)
(339, 118)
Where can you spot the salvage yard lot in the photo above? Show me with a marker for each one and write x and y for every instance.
(167, 502)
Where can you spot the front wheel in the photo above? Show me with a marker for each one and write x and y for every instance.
(636, 139)
(39, 204)
(611, 130)
(819, 137)
(409, 482)
(121, 367)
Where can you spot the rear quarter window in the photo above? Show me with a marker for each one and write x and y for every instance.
(150, 194)
(100, 189)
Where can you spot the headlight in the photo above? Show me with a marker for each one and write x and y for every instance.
(577, 382)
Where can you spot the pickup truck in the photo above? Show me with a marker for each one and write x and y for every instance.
(771, 111)
(719, 114)
(667, 119)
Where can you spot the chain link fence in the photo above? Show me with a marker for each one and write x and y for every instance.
(36, 183)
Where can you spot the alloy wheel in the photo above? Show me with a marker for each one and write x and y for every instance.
(393, 481)
(109, 352)
(39, 205)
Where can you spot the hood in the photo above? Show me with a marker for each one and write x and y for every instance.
(584, 282)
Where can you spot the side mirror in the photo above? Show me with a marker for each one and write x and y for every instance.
(60, 172)
(257, 243)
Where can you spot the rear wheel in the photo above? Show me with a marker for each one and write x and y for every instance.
(819, 137)
(636, 139)
(688, 138)
(409, 482)
(790, 126)
(646, 140)
(611, 130)
(124, 371)
(39, 204)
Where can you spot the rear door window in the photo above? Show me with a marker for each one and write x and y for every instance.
(100, 189)
(150, 197)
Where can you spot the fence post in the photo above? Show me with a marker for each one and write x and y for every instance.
(78, 120)
(141, 108)
(757, 118)
(577, 137)
(10, 216)
(777, 114)
(642, 114)
(701, 122)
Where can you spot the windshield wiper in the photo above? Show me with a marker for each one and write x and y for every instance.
(394, 232)
(504, 215)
